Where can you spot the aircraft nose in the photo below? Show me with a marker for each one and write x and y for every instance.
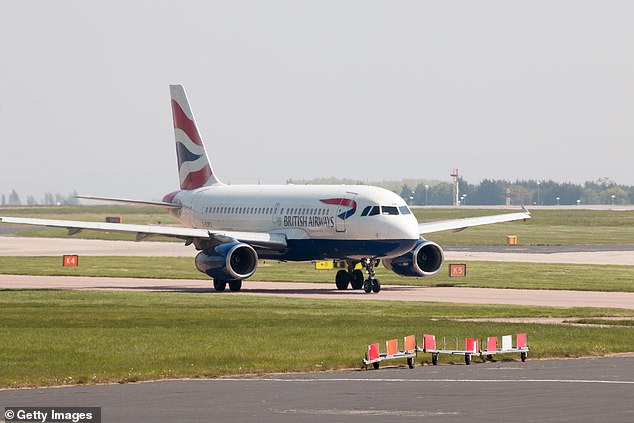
(406, 227)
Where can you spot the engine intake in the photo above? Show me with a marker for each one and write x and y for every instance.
(229, 261)
(425, 259)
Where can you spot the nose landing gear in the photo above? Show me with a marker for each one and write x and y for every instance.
(371, 284)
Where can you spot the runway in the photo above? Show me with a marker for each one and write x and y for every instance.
(326, 291)
(584, 390)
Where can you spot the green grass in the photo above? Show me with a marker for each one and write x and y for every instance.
(547, 227)
(479, 274)
(70, 337)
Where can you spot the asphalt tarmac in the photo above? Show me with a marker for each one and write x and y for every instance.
(328, 291)
(583, 390)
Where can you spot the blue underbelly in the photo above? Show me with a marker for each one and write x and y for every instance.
(323, 249)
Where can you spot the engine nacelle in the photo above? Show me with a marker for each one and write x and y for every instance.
(229, 261)
(425, 259)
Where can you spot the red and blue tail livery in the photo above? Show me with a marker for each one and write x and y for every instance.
(194, 168)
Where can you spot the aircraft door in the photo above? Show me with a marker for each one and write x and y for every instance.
(277, 215)
(196, 207)
(345, 209)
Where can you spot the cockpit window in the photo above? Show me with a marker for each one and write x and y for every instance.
(405, 210)
(374, 211)
(366, 211)
(389, 210)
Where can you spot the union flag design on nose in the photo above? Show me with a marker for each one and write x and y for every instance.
(343, 202)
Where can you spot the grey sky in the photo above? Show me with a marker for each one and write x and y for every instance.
(300, 89)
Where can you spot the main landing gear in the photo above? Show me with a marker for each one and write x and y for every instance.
(354, 278)
(235, 285)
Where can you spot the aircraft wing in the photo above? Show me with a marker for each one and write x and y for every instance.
(460, 224)
(260, 239)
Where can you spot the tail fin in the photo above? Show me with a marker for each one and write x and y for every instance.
(194, 168)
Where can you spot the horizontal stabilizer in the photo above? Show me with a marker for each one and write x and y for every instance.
(127, 201)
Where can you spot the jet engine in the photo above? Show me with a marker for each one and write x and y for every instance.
(228, 261)
(425, 259)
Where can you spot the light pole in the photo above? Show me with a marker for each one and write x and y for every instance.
(557, 200)
(613, 197)
(426, 189)
(464, 199)
(538, 196)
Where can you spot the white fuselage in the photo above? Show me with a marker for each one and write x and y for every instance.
(318, 221)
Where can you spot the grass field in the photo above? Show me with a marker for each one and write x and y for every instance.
(70, 337)
(479, 274)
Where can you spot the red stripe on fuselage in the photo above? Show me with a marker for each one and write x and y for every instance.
(340, 202)
(185, 124)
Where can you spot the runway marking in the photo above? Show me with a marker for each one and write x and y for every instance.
(389, 413)
(402, 380)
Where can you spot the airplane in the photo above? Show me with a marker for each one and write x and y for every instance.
(233, 226)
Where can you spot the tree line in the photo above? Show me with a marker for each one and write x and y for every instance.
(440, 193)
(494, 192)
(50, 199)
(521, 192)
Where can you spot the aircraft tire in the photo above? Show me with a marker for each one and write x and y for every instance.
(219, 285)
(376, 286)
(342, 280)
(235, 285)
(434, 359)
(357, 279)
(523, 357)
(467, 359)
(375, 365)
(367, 286)
(410, 362)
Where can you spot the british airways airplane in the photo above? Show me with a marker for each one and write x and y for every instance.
(233, 226)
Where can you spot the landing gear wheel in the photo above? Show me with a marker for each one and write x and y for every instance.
(375, 365)
(235, 285)
(342, 279)
(219, 285)
(371, 283)
(367, 286)
(434, 359)
(523, 357)
(376, 286)
(467, 359)
(357, 279)
(410, 362)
